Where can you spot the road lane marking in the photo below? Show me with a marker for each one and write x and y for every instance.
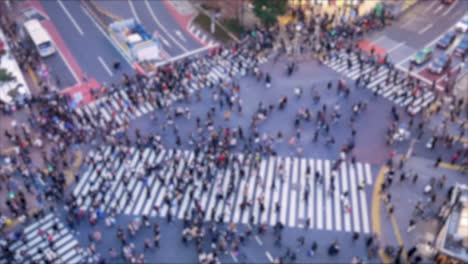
(396, 47)
(164, 41)
(104, 34)
(132, 8)
(104, 65)
(189, 53)
(378, 39)
(430, 7)
(259, 241)
(270, 258)
(446, 12)
(65, 10)
(234, 257)
(424, 29)
(439, 9)
(179, 34)
(162, 27)
(400, 64)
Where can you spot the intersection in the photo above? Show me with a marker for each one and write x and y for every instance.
(228, 153)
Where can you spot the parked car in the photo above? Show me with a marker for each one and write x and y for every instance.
(422, 56)
(462, 25)
(440, 64)
(462, 47)
(446, 40)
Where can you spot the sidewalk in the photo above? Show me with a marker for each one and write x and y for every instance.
(8, 62)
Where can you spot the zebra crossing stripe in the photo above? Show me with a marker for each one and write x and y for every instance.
(339, 63)
(143, 197)
(276, 192)
(362, 193)
(293, 194)
(249, 192)
(284, 192)
(64, 242)
(268, 188)
(186, 198)
(324, 208)
(355, 209)
(240, 193)
(319, 196)
(345, 200)
(329, 220)
(382, 75)
(312, 213)
(154, 187)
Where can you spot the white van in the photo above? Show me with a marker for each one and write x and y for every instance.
(39, 37)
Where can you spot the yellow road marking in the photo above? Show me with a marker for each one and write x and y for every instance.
(376, 209)
(33, 76)
(8, 150)
(450, 166)
(396, 230)
(76, 166)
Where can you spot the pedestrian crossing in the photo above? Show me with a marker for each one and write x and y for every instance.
(271, 191)
(121, 106)
(43, 242)
(200, 35)
(397, 92)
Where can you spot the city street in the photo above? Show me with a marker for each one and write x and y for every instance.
(335, 150)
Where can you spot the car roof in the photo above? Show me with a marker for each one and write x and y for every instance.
(426, 50)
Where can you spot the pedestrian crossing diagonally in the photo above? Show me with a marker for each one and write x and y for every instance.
(155, 182)
(117, 107)
(398, 93)
(64, 248)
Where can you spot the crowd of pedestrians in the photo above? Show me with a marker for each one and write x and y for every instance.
(53, 127)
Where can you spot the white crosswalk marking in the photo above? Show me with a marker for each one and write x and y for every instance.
(345, 199)
(329, 220)
(301, 191)
(413, 103)
(47, 236)
(312, 213)
(284, 192)
(146, 176)
(117, 106)
(293, 198)
(353, 190)
(319, 196)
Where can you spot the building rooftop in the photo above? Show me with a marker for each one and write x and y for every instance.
(454, 234)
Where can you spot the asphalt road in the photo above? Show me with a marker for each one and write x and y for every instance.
(86, 42)
(93, 53)
(155, 17)
(418, 27)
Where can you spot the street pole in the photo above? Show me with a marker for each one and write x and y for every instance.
(212, 24)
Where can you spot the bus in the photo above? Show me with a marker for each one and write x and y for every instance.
(39, 37)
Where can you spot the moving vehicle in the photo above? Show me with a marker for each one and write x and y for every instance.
(462, 25)
(462, 47)
(446, 40)
(132, 40)
(440, 64)
(422, 56)
(39, 37)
